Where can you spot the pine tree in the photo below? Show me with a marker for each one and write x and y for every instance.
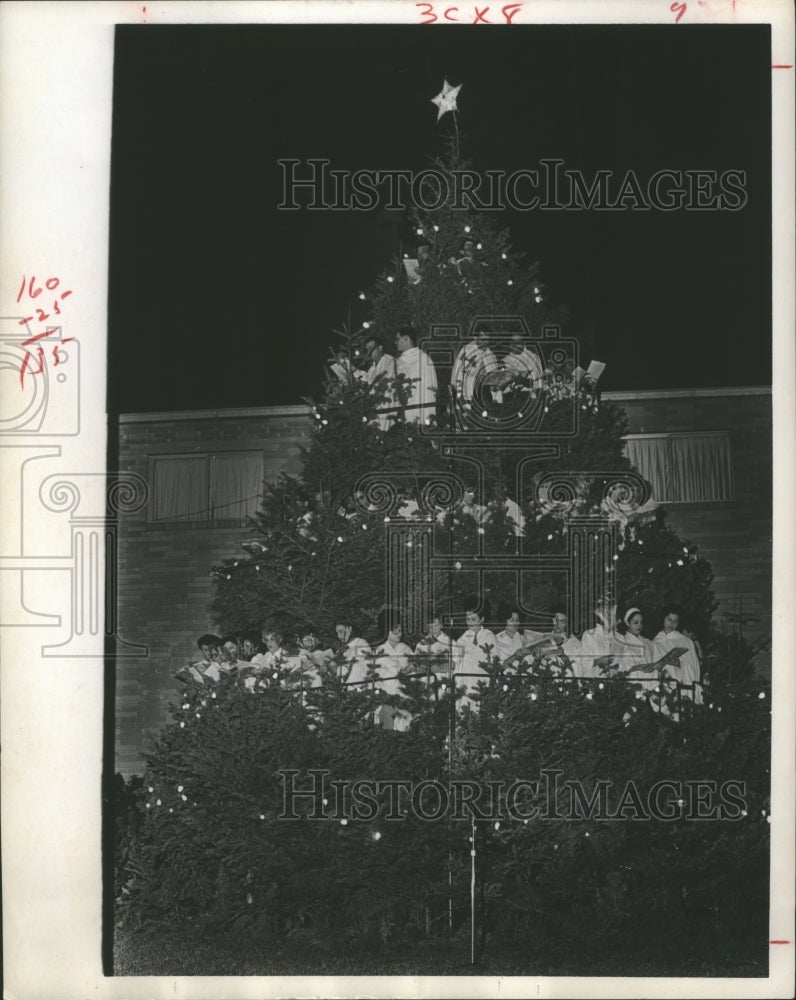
(323, 550)
(209, 838)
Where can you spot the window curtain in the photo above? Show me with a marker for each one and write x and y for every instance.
(179, 489)
(702, 467)
(236, 485)
(649, 458)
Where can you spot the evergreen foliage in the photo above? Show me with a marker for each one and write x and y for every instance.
(207, 848)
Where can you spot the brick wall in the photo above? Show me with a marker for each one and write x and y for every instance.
(735, 536)
(164, 583)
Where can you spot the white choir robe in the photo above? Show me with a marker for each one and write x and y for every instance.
(471, 361)
(311, 665)
(442, 644)
(471, 657)
(525, 365)
(595, 643)
(689, 671)
(508, 644)
(629, 650)
(571, 647)
(390, 661)
(384, 370)
(355, 655)
(419, 369)
(514, 512)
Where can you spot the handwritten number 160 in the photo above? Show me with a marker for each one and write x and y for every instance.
(50, 284)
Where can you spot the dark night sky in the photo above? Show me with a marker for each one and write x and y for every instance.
(219, 299)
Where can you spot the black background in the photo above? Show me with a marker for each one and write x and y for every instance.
(218, 298)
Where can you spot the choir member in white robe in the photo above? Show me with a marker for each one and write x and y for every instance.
(511, 639)
(355, 653)
(436, 643)
(688, 672)
(382, 370)
(595, 644)
(563, 641)
(417, 367)
(391, 661)
(478, 645)
(312, 660)
(206, 668)
(640, 660)
(523, 364)
(473, 363)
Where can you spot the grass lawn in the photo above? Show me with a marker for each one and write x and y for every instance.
(168, 953)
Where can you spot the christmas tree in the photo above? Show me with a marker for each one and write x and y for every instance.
(490, 498)
(321, 550)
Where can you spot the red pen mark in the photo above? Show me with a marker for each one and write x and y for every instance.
(39, 336)
(56, 354)
(509, 12)
(782, 66)
(429, 12)
(680, 8)
(24, 366)
(34, 290)
(779, 942)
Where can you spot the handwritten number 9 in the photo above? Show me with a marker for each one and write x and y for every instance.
(680, 9)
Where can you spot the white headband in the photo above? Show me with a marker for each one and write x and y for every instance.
(629, 614)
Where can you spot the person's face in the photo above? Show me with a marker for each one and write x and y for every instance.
(215, 654)
(469, 496)
(403, 342)
(395, 634)
(230, 650)
(272, 643)
(309, 642)
(671, 623)
(560, 623)
(481, 340)
(513, 623)
(248, 647)
(435, 628)
(372, 350)
(606, 614)
(516, 345)
(635, 624)
(343, 632)
(207, 650)
(473, 619)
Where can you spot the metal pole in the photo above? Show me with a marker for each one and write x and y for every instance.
(472, 892)
(450, 768)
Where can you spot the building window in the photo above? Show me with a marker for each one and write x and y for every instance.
(684, 468)
(224, 486)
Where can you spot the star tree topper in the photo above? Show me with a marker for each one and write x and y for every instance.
(446, 99)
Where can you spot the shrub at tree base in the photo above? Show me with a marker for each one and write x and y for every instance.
(679, 862)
